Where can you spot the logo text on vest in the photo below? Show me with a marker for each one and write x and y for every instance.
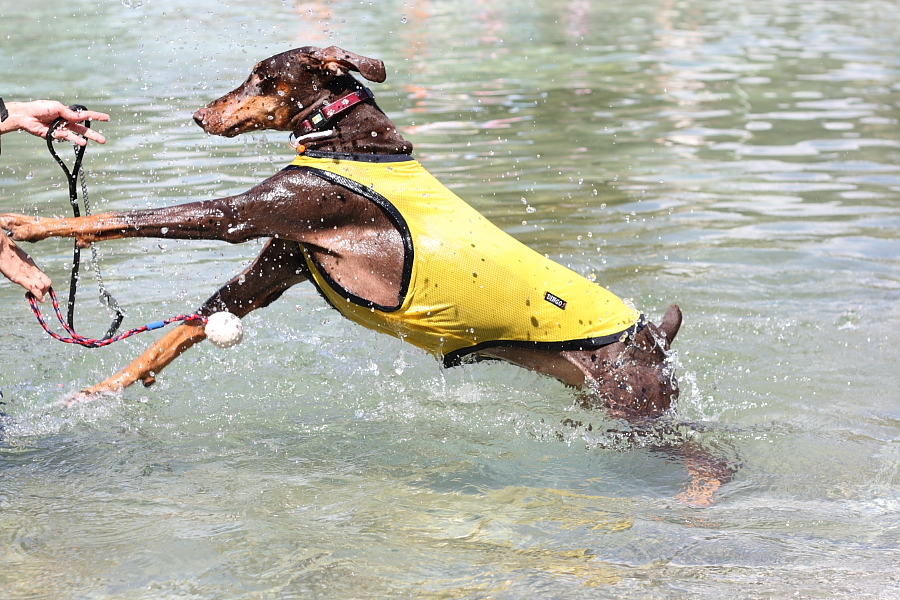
(555, 300)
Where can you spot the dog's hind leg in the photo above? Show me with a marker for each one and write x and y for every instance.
(279, 266)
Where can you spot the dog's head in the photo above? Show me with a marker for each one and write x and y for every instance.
(636, 378)
(284, 89)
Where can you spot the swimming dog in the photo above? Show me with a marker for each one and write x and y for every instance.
(387, 245)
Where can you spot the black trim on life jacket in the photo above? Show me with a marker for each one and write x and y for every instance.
(392, 213)
(457, 357)
(369, 158)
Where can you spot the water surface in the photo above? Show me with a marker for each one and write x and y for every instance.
(739, 159)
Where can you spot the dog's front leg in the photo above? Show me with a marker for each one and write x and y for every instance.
(209, 219)
(281, 205)
(25, 228)
(152, 361)
(279, 266)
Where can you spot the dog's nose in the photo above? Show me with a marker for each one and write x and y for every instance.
(200, 116)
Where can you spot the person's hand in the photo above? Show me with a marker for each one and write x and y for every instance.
(36, 118)
(18, 267)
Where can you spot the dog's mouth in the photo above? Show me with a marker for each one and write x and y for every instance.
(222, 129)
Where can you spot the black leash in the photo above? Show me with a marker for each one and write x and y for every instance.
(105, 297)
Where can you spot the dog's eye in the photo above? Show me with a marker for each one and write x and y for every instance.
(264, 82)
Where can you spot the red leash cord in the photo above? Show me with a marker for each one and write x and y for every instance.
(92, 343)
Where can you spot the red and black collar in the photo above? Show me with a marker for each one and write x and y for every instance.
(324, 115)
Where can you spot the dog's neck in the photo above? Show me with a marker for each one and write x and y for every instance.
(363, 129)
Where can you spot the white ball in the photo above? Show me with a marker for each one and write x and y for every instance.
(224, 329)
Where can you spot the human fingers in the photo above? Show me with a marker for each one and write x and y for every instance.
(83, 131)
(72, 131)
(37, 283)
(76, 116)
(69, 135)
(82, 115)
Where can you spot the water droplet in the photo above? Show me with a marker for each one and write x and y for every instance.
(30, 175)
(403, 20)
(530, 209)
(374, 134)
(165, 230)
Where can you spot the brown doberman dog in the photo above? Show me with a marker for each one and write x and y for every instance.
(355, 243)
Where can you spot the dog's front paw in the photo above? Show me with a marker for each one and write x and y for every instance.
(23, 227)
(85, 396)
(104, 388)
(118, 382)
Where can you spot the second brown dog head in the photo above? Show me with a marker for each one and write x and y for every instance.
(284, 89)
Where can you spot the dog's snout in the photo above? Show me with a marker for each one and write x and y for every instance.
(200, 116)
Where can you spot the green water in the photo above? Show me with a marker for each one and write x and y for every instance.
(738, 158)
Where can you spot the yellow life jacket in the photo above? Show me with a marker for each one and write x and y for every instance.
(467, 285)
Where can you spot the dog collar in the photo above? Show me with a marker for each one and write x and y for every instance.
(322, 116)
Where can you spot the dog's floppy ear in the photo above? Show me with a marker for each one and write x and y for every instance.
(653, 338)
(671, 323)
(341, 62)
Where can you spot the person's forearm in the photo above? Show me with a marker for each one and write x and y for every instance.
(10, 117)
